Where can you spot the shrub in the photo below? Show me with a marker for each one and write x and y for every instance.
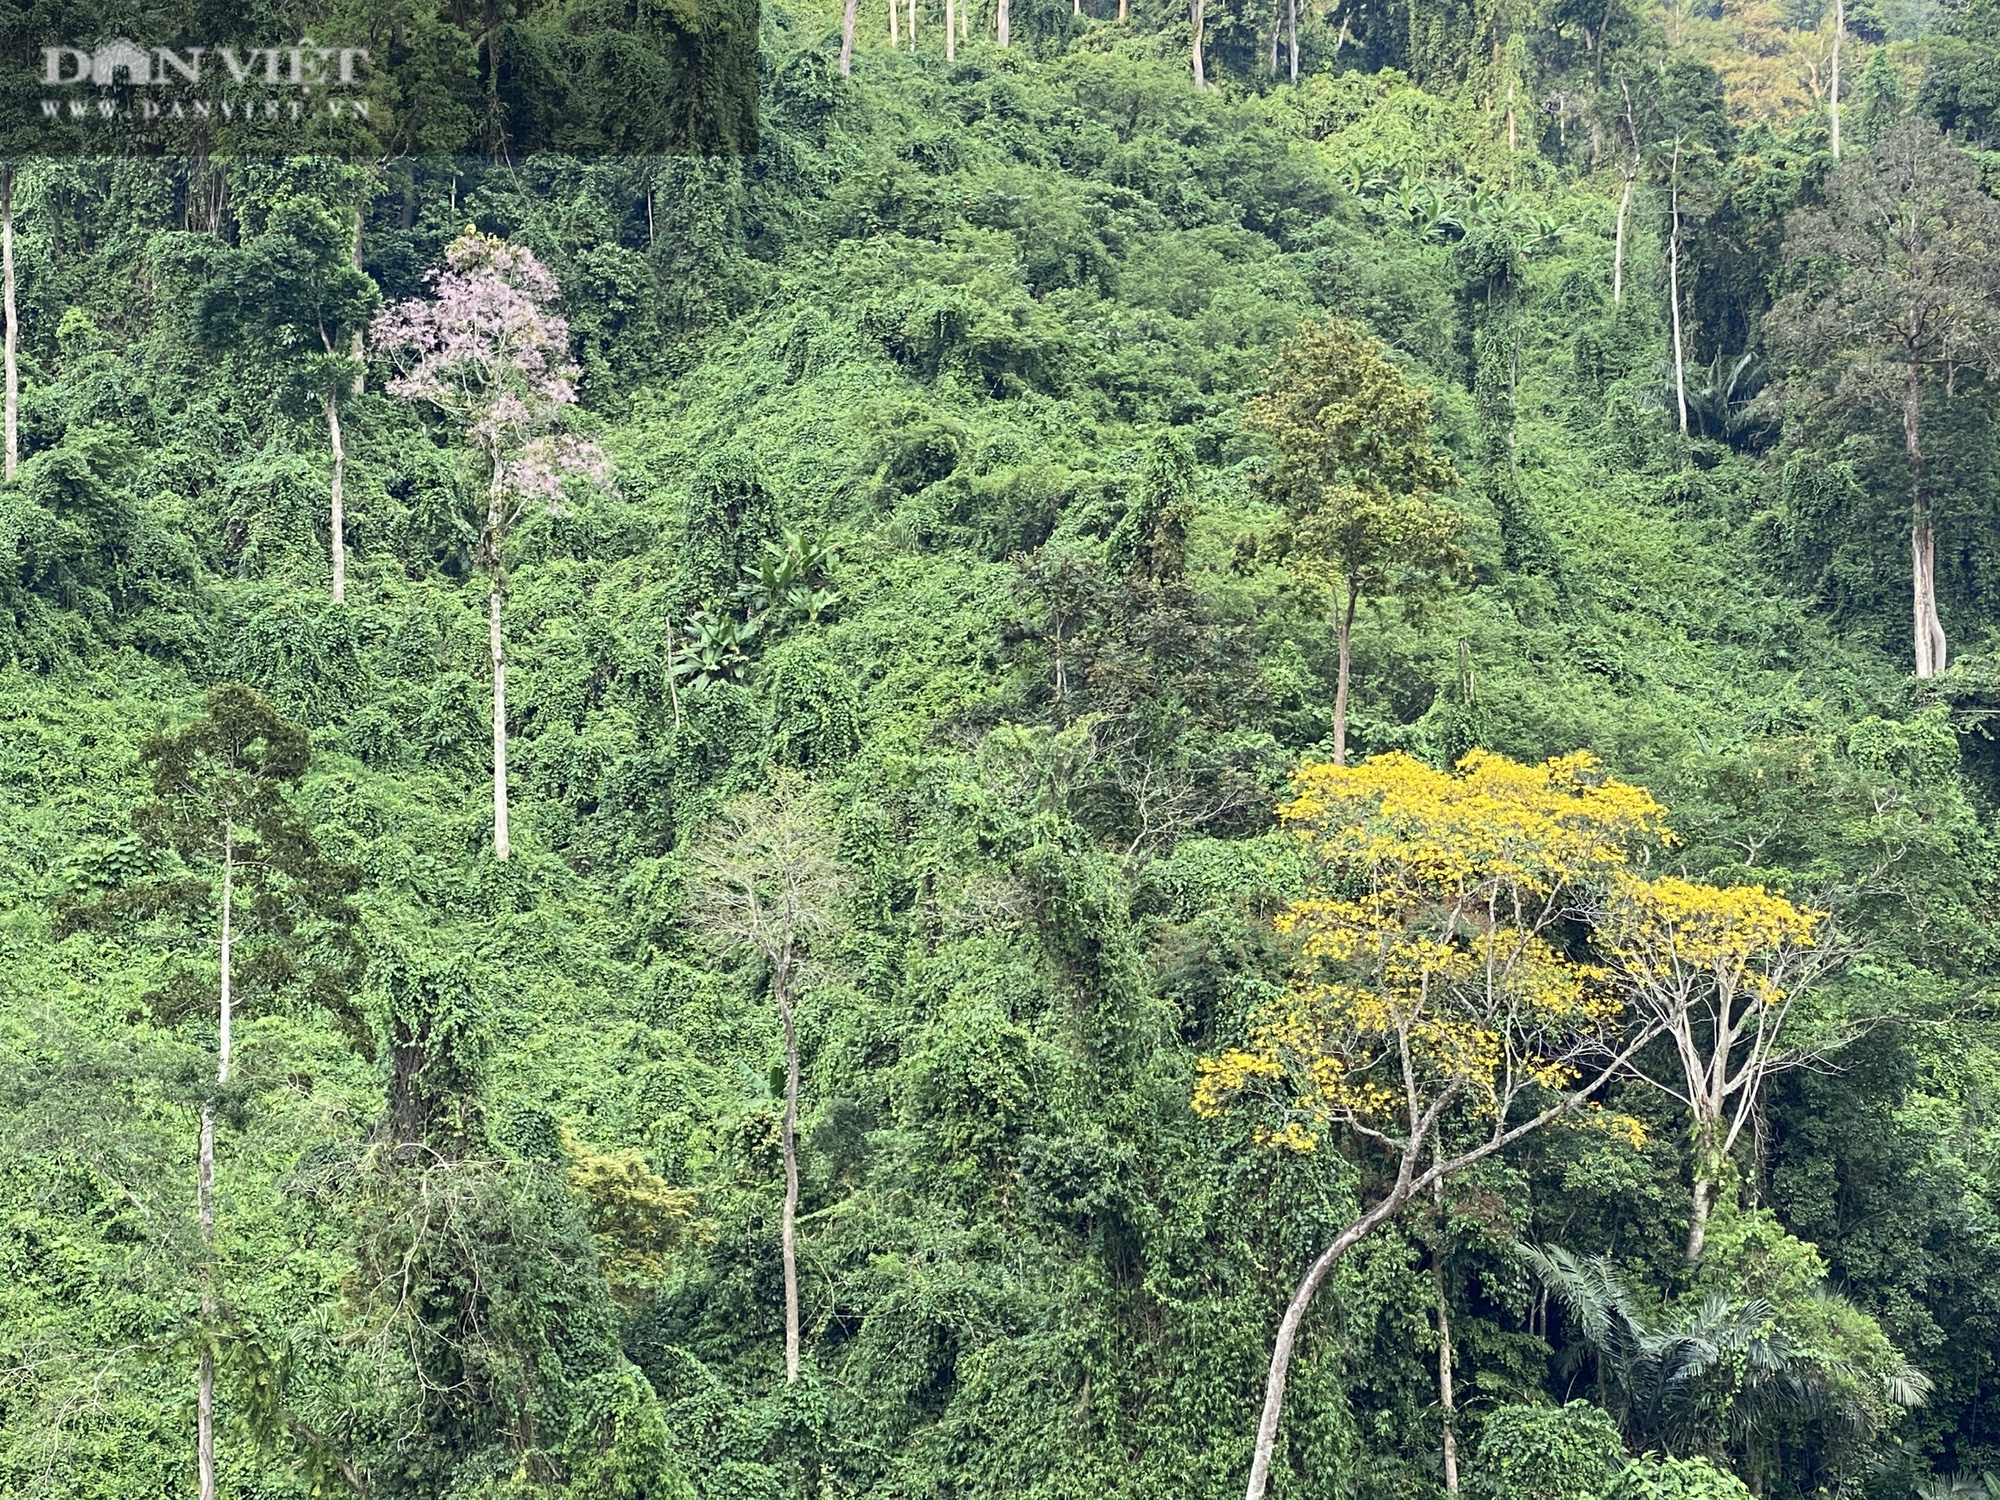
(1655, 1478)
(1546, 1452)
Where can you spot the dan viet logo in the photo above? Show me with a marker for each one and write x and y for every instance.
(120, 81)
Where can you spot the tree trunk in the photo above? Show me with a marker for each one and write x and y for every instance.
(1674, 292)
(338, 525)
(1833, 89)
(1292, 33)
(1618, 246)
(913, 25)
(13, 416)
(357, 346)
(1277, 34)
(1288, 1333)
(951, 31)
(1704, 1201)
(895, 27)
(1929, 630)
(790, 1134)
(496, 647)
(204, 1449)
(1000, 22)
(1194, 14)
(1344, 634)
(846, 68)
(1124, 9)
(1447, 1399)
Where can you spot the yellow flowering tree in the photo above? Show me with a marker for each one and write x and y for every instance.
(1431, 982)
(1719, 971)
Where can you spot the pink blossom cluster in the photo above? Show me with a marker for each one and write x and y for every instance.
(489, 350)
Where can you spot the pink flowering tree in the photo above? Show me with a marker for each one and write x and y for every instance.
(488, 350)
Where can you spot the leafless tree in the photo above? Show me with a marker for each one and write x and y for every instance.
(772, 882)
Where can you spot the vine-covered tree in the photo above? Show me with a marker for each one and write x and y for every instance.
(236, 867)
(291, 299)
(1897, 305)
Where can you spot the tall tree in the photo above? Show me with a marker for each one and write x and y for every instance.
(1435, 1014)
(1897, 298)
(1720, 971)
(489, 350)
(1833, 82)
(249, 873)
(291, 298)
(1674, 285)
(13, 331)
(772, 882)
(1356, 470)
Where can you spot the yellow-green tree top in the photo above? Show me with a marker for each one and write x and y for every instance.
(1344, 420)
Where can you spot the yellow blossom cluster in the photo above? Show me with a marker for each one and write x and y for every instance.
(1492, 820)
(1665, 930)
(1427, 952)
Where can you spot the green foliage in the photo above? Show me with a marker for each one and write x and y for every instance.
(813, 714)
(934, 485)
(1546, 1452)
(1652, 1478)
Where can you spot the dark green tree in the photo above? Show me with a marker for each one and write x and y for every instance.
(292, 300)
(1896, 309)
(235, 868)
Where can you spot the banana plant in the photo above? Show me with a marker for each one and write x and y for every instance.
(715, 651)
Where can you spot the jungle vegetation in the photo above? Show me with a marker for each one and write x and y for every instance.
(1235, 748)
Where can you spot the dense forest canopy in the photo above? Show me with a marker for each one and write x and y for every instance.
(1192, 747)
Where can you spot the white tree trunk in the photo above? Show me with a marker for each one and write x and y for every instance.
(496, 645)
(846, 68)
(1000, 23)
(205, 1181)
(790, 1219)
(1833, 89)
(951, 31)
(1288, 1333)
(338, 487)
(1704, 1201)
(1344, 638)
(1292, 30)
(1618, 246)
(13, 337)
(1447, 1395)
(1200, 70)
(496, 648)
(1928, 628)
(1674, 295)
